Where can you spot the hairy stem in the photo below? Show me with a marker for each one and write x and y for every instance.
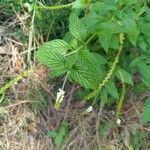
(9, 84)
(55, 7)
(120, 103)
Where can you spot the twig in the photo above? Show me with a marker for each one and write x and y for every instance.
(16, 42)
(26, 51)
(19, 103)
(147, 94)
(97, 123)
(3, 50)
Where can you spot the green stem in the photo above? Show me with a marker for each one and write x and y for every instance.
(55, 7)
(90, 39)
(66, 77)
(110, 72)
(120, 103)
(2, 98)
(79, 48)
(9, 84)
(71, 53)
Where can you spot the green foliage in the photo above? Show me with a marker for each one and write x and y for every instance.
(59, 136)
(142, 64)
(52, 54)
(137, 140)
(139, 88)
(145, 118)
(81, 3)
(103, 129)
(126, 76)
(47, 24)
(105, 38)
(112, 89)
(76, 27)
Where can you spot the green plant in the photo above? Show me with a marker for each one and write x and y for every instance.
(59, 136)
(105, 38)
(47, 24)
(136, 140)
(145, 118)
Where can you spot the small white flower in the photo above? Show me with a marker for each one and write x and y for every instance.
(118, 121)
(60, 95)
(89, 109)
(15, 83)
(59, 98)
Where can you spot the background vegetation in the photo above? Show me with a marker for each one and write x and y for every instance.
(97, 52)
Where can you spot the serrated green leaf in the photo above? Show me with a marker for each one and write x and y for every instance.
(51, 59)
(88, 70)
(133, 36)
(135, 62)
(142, 43)
(129, 22)
(130, 27)
(108, 40)
(101, 8)
(70, 61)
(112, 27)
(52, 54)
(91, 58)
(91, 22)
(127, 77)
(144, 27)
(93, 63)
(146, 82)
(104, 95)
(81, 75)
(144, 70)
(105, 39)
(112, 89)
(100, 59)
(145, 118)
(76, 27)
(57, 71)
(68, 37)
(114, 41)
(57, 45)
(142, 64)
(80, 4)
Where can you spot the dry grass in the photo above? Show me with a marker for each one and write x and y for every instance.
(22, 129)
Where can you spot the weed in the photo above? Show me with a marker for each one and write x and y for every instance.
(116, 27)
